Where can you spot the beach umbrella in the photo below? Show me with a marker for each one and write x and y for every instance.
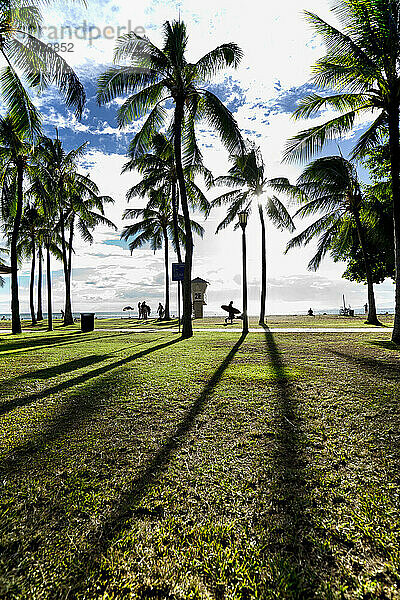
(128, 308)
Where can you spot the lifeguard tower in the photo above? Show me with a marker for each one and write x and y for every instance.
(199, 296)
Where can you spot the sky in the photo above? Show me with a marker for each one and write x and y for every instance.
(262, 93)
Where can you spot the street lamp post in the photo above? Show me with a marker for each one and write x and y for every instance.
(243, 222)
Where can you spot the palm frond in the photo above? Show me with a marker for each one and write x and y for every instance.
(278, 214)
(309, 141)
(221, 57)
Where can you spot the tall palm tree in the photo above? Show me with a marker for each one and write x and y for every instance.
(14, 153)
(40, 66)
(362, 66)
(329, 187)
(30, 223)
(247, 175)
(156, 227)
(39, 316)
(155, 77)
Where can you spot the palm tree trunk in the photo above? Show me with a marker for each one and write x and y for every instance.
(40, 274)
(394, 145)
(166, 311)
(187, 330)
(68, 318)
(175, 221)
(372, 318)
(49, 306)
(15, 318)
(263, 265)
(32, 282)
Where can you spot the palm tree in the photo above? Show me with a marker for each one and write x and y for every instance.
(30, 224)
(39, 280)
(156, 227)
(155, 77)
(158, 170)
(363, 65)
(38, 63)
(248, 177)
(330, 186)
(72, 197)
(14, 152)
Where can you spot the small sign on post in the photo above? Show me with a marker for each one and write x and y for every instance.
(178, 273)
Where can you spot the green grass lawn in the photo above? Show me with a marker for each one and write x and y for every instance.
(138, 465)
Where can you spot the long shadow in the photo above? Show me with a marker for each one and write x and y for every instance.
(386, 368)
(46, 342)
(384, 419)
(290, 501)
(117, 521)
(65, 385)
(64, 368)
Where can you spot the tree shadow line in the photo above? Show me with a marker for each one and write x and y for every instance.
(101, 537)
(49, 372)
(292, 548)
(43, 342)
(67, 418)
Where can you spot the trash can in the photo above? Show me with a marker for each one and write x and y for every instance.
(351, 312)
(87, 322)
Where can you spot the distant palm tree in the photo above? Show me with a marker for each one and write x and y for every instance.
(248, 177)
(329, 186)
(38, 63)
(153, 77)
(30, 223)
(71, 197)
(362, 66)
(156, 228)
(159, 171)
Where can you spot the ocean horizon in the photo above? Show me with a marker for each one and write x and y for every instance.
(133, 313)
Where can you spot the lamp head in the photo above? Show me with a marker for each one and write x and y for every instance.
(243, 219)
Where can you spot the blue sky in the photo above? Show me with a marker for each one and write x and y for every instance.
(279, 49)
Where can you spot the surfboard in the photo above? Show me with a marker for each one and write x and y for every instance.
(228, 309)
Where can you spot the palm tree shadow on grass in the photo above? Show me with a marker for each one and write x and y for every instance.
(118, 520)
(290, 544)
(47, 341)
(65, 367)
(80, 407)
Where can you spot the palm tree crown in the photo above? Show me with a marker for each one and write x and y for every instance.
(39, 65)
(362, 66)
(247, 175)
(329, 187)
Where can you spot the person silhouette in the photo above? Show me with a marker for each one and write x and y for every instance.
(231, 313)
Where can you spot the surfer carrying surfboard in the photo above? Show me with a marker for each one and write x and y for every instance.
(231, 310)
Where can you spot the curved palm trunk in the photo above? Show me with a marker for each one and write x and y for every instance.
(68, 318)
(394, 145)
(166, 311)
(49, 305)
(187, 330)
(15, 318)
(263, 266)
(39, 283)
(372, 318)
(32, 281)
